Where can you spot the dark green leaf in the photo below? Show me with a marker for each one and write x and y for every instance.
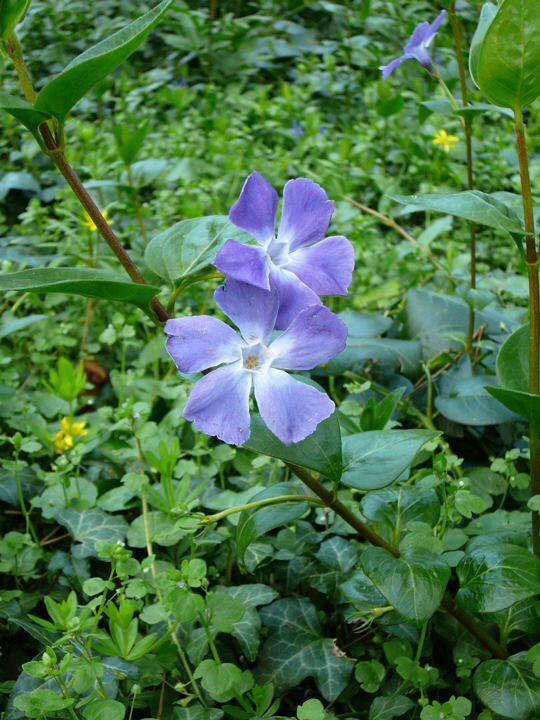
(508, 70)
(522, 403)
(509, 688)
(320, 451)
(488, 12)
(188, 246)
(90, 526)
(472, 205)
(24, 112)
(79, 281)
(513, 361)
(469, 403)
(388, 707)
(296, 648)
(104, 710)
(62, 92)
(395, 507)
(374, 459)
(494, 577)
(413, 583)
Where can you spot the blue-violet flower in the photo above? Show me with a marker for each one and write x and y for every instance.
(296, 263)
(218, 403)
(417, 47)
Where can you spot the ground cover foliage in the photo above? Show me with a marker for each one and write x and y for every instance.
(384, 566)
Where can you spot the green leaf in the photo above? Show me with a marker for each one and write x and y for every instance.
(183, 604)
(374, 459)
(90, 526)
(61, 93)
(320, 451)
(509, 60)
(80, 281)
(104, 710)
(19, 324)
(41, 702)
(247, 630)
(296, 649)
(509, 688)
(311, 710)
(488, 12)
(25, 113)
(388, 707)
(370, 674)
(472, 205)
(254, 523)
(468, 402)
(11, 14)
(188, 246)
(413, 583)
(225, 611)
(513, 361)
(494, 577)
(396, 507)
(522, 403)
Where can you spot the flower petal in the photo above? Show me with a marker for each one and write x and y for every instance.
(290, 408)
(421, 35)
(313, 337)
(218, 404)
(294, 296)
(200, 342)
(387, 70)
(253, 310)
(326, 267)
(255, 209)
(247, 263)
(306, 213)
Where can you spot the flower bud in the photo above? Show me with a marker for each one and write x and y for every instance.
(11, 14)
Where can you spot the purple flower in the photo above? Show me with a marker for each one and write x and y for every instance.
(417, 47)
(219, 402)
(294, 262)
(297, 131)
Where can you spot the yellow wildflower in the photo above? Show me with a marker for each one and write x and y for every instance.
(63, 440)
(446, 141)
(89, 223)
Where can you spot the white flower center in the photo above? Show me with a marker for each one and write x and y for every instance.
(278, 251)
(256, 357)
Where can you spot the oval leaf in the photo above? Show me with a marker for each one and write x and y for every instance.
(509, 59)
(488, 12)
(522, 403)
(513, 361)
(509, 688)
(320, 451)
(59, 95)
(374, 459)
(88, 282)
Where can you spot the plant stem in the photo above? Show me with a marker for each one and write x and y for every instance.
(13, 49)
(29, 526)
(531, 258)
(457, 33)
(210, 519)
(448, 603)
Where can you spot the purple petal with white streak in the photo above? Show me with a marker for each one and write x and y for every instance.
(218, 404)
(201, 342)
(294, 296)
(291, 409)
(253, 310)
(326, 267)
(387, 70)
(315, 336)
(246, 263)
(306, 213)
(255, 209)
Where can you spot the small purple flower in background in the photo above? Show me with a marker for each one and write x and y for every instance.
(297, 262)
(417, 47)
(218, 403)
(297, 131)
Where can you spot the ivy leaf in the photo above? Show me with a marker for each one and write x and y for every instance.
(413, 583)
(89, 527)
(296, 649)
(509, 687)
(494, 577)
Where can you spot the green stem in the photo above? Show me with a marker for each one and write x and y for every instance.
(448, 603)
(13, 50)
(22, 504)
(210, 519)
(457, 33)
(531, 257)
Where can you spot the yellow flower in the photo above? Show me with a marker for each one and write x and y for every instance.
(63, 440)
(446, 141)
(89, 223)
